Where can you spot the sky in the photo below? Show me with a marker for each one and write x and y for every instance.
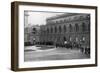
(39, 17)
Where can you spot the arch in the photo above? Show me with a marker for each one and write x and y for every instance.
(47, 30)
(64, 27)
(83, 27)
(70, 28)
(60, 30)
(55, 29)
(51, 30)
(76, 27)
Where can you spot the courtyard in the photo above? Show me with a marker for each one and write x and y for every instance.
(42, 53)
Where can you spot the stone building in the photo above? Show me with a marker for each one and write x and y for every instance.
(73, 28)
(31, 34)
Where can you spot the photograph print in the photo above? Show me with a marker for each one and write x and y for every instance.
(56, 36)
(53, 36)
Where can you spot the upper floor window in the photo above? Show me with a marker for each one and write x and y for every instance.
(47, 30)
(55, 29)
(51, 30)
(34, 30)
(60, 30)
(76, 27)
(83, 27)
(70, 28)
(64, 28)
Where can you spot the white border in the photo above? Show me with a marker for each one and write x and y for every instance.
(33, 64)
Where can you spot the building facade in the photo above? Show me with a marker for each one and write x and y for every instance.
(73, 28)
(31, 34)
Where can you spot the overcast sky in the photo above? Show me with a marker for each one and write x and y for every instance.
(39, 17)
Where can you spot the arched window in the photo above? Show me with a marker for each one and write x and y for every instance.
(64, 28)
(76, 27)
(51, 30)
(60, 30)
(47, 30)
(55, 29)
(83, 27)
(34, 30)
(70, 28)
